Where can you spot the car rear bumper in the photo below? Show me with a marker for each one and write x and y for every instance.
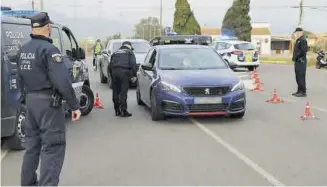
(246, 64)
(175, 104)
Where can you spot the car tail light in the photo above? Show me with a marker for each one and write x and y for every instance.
(237, 52)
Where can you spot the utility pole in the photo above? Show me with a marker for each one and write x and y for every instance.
(160, 17)
(41, 6)
(300, 13)
(33, 3)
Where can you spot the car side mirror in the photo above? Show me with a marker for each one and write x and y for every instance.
(81, 53)
(146, 67)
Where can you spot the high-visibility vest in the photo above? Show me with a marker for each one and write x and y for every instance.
(98, 48)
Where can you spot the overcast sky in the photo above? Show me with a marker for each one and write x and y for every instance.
(210, 13)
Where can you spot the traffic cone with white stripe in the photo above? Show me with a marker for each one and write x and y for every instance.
(307, 113)
(97, 102)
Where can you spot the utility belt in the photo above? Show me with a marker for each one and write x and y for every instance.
(56, 97)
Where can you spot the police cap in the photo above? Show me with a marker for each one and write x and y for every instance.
(128, 44)
(298, 29)
(41, 19)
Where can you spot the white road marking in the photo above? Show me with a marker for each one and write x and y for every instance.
(4, 153)
(269, 177)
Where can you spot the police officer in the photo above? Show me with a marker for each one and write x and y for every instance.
(122, 68)
(300, 62)
(97, 48)
(46, 81)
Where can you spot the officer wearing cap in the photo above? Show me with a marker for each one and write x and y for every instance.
(300, 62)
(46, 81)
(122, 67)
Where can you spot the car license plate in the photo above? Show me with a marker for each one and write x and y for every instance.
(248, 58)
(207, 100)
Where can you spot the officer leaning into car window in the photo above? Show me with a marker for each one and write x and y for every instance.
(45, 81)
(300, 62)
(122, 68)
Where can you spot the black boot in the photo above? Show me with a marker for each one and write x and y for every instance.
(125, 113)
(117, 112)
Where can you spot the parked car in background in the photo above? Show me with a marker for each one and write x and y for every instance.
(189, 80)
(140, 46)
(238, 53)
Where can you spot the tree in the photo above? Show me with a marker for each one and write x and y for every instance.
(184, 19)
(237, 21)
(147, 28)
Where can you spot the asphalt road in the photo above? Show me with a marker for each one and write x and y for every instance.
(270, 146)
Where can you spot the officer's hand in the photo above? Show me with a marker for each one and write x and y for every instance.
(76, 114)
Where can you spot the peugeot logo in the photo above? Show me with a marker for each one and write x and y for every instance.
(207, 91)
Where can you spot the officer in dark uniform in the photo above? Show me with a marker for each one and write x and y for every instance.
(46, 81)
(122, 68)
(300, 62)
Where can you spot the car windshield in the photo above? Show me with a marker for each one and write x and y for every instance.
(244, 46)
(190, 58)
(139, 47)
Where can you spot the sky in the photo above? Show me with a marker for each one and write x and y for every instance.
(100, 18)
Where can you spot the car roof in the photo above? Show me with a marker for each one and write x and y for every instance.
(131, 40)
(184, 46)
(21, 21)
(231, 41)
(181, 36)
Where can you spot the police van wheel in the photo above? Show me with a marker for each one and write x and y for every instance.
(17, 140)
(103, 79)
(86, 100)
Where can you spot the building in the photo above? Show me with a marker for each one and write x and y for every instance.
(260, 36)
(281, 44)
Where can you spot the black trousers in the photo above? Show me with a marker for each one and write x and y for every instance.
(300, 73)
(120, 85)
(45, 134)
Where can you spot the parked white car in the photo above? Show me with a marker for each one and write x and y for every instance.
(238, 53)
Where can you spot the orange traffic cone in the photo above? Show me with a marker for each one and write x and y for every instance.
(254, 76)
(97, 102)
(257, 81)
(258, 88)
(254, 71)
(307, 113)
(275, 99)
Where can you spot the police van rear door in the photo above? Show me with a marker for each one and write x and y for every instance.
(13, 36)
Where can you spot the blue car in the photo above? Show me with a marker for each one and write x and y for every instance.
(189, 80)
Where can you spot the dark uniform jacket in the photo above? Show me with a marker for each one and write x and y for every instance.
(300, 50)
(41, 67)
(123, 58)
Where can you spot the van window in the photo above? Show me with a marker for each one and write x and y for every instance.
(55, 36)
(14, 36)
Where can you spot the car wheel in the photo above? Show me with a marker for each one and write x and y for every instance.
(251, 68)
(103, 79)
(17, 140)
(138, 96)
(238, 115)
(156, 114)
(86, 100)
(318, 65)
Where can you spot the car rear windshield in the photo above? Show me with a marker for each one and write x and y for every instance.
(139, 47)
(244, 46)
(190, 58)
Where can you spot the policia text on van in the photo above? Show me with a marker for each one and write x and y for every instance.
(15, 32)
